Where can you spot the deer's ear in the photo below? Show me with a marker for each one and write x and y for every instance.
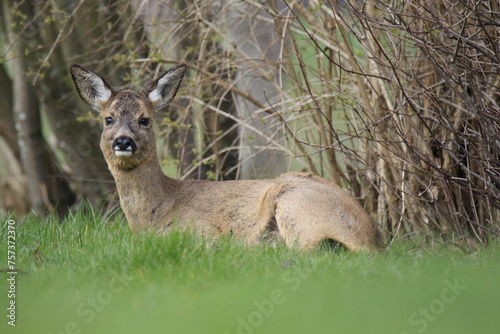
(93, 89)
(162, 90)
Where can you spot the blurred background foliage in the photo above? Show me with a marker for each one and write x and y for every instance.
(395, 101)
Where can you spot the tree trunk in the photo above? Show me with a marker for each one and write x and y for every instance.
(46, 186)
(257, 46)
(7, 129)
(81, 153)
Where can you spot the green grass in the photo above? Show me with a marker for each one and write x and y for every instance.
(90, 274)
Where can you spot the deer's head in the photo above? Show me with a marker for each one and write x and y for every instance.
(127, 138)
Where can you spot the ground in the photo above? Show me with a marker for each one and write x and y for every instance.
(90, 274)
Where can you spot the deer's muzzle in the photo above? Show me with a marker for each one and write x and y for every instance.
(124, 146)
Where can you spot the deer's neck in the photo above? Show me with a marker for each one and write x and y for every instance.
(145, 192)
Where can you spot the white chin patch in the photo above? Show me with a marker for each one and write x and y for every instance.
(120, 153)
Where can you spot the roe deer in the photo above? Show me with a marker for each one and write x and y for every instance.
(300, 208)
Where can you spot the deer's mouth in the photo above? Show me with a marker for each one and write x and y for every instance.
(122, 153)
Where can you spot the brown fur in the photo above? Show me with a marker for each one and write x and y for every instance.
(300, 208)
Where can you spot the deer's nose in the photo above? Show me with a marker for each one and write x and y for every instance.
(124, 146)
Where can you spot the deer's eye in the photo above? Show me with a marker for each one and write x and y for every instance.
(108, 120)
(144, 121)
